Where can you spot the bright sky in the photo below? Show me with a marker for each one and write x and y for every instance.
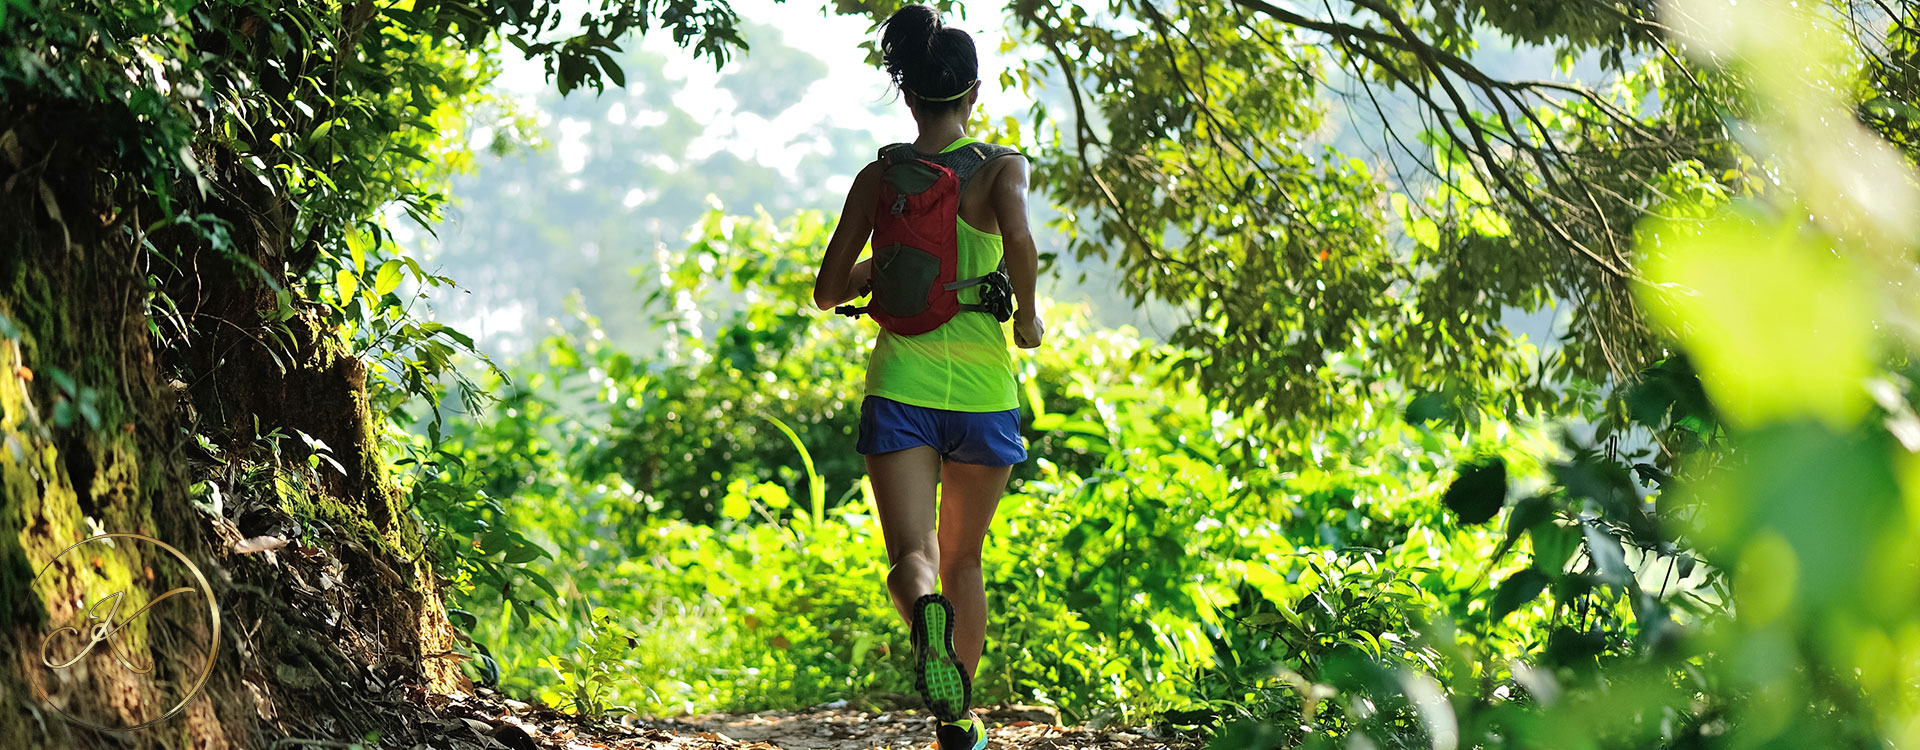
(783, 141)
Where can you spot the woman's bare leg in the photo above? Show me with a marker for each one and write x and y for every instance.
(904, 491)
(968, 496)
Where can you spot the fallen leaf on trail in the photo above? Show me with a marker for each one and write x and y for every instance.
(515, 737)
(259, 544)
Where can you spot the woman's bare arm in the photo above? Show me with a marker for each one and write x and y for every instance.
(1023, 258)
(840, 279)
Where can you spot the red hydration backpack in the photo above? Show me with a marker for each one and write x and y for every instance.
(916, 244)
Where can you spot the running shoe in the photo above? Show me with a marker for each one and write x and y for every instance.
(965, 734)
(937, 672)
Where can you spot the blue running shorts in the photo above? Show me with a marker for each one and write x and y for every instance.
(986, 438)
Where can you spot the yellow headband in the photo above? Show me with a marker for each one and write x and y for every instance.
(963, 92)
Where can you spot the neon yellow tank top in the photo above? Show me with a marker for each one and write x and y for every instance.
(965, 364)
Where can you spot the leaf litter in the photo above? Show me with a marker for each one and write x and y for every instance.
(489, 720)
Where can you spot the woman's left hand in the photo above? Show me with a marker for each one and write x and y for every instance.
(1027, 329)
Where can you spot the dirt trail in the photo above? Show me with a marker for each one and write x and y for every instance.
(854, 729)
(491, 721)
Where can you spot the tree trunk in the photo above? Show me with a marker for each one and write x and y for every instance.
(112, 421)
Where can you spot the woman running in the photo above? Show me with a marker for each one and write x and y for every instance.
(940, 424)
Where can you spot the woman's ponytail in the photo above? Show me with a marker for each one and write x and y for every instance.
(931, 62)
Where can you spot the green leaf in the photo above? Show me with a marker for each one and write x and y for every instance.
(1719, 287)
(614, 73)
(1420, 228)
(1527, 514)
(524, 553)
(465, 340)
(1262, 619)
(1488, 223)
(1553, 546)
(735, 506)
(388, 279)
(1479, 491)
(1425, 232)
(345, 286)
(1083, 427)
(816, 489)
(1607, 554)
(1516, 592)
(1426, 407)
(494, 541)
(1567, 647)
(771, 495)
(1887, 106)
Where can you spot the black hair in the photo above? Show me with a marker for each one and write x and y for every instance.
(927, 60)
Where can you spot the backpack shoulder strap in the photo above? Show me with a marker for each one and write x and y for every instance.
(967, 160)
(991, 151)
(895, 153)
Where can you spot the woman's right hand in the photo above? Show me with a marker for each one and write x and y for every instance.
(1027, 329)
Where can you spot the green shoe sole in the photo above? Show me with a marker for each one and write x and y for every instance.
(937, 673)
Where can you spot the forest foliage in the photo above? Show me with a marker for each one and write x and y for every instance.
(1343, 506)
